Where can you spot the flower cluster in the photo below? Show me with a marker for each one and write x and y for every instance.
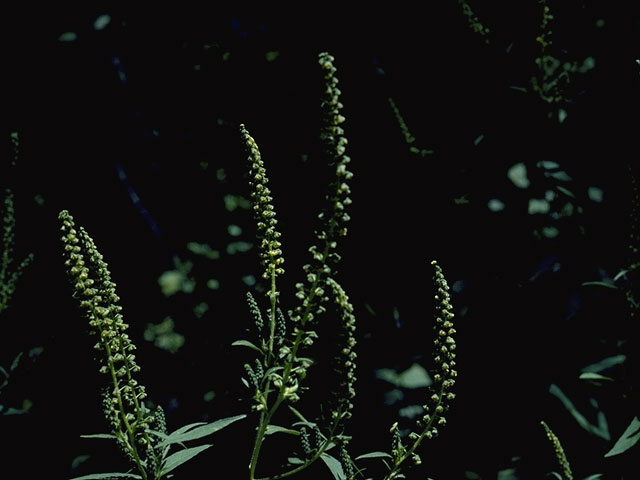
(559, 451)
(334, 217)
(9, 277)
(264, 213)
(444, 358)
(95, 292)
(344, 364)
(474, 21)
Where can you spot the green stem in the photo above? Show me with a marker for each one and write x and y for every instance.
(418, 441)
(323, 448)
(116, 385)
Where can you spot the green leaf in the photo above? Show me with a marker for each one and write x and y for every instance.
(246, 343)
(299, 415)
(103, 476)
(277, 429)
(413, 377)
(178, 458)
(16, 361)
(601, 430)
(373, 455)
(594, 376)
(597, 476)
(184, 428)
(557, 475)
(566, 191)
(600, 284)
(605, 364)
(99, 435)
(334, 465)
(295, 461)
(628, 439)
(621, 273)
(201, 431)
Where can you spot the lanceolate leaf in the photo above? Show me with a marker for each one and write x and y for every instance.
(107, 476)
(201, 431)
(373, 455)
(99, 435)
(246, 343)
(178, 458)
(628, 439)
(277, 429)
(334, 465)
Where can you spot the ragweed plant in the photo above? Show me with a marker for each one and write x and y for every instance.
(9, 271)
(140, 433)
(474, 22)
(276, 376)
(554, 75)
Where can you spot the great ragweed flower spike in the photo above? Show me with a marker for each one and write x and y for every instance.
(334, 216)
(264, 213)
(559, 451)
(95, 292)
(443, 380)
(344, 363)
(444, 357)
(8, 276)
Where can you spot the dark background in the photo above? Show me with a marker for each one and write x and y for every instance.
(148, 107)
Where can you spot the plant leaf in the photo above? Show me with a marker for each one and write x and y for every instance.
(604, 364)
(277, 429)
(600, 284)
(104, 476)
(99, 435)
(201, 431)
(601, 430)
(627, 440)
(593, 376)
(334, 465)
(597, 476)
(621, 273)
(246, 343)
(373, 455)
(178, 458)
(184, 428)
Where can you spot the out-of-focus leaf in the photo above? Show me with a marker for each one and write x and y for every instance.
(605, 364)
(600, 430)
(518, 175)
(600, 284)
(594, 376)
(627, 440)
(413, 377)
(566, 191)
